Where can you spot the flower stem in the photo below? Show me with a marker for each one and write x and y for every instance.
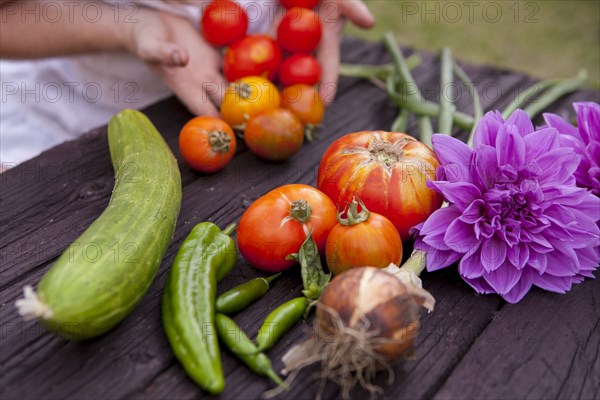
(555, 92)
(447, 108)
(477, 107)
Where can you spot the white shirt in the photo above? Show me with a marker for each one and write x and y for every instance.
(46, 102)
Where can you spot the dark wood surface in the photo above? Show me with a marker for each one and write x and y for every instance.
(471, 346)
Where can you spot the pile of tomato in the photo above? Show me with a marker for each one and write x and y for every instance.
(274, 123)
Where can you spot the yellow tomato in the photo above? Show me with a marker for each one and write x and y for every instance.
(247, 97)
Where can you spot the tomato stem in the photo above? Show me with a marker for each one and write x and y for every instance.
(219, 141)
(353, 216)
(301, 211)
(229, 229)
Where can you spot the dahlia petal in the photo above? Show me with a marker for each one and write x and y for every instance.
(540, 142)
(538, 261)
(493, 253)
(503, 279)
(510, 148)
(562, 126)
(480, 285)
(589, 258)
(562, 262)
(474, 212)
(487, 129)
(522, 122)
(461, 194)
(453, 154)
(487, 164)
(439, 259)
(553, 283)
(518, 255)
(588, 121)
(521, 288)
(557, 166)
(470, 265)
(460, 236)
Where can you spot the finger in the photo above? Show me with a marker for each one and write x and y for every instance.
(357, 12)
(163, 52)
(329, 57)
(272, 31)
(215, 88)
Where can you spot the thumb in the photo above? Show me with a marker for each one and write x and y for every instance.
(157, 51)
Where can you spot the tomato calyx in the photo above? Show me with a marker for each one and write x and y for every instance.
(353, 216)
(387, 153)
(244, 90)
(219, 141)
(301, 211)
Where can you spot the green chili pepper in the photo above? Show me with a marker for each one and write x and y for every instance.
(241, 296)
(236, 340)
(188, 305)
(279, 321)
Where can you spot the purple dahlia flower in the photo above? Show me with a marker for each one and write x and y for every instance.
(585, 140)
(516, 217)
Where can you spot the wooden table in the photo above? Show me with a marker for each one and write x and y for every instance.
(471, 346)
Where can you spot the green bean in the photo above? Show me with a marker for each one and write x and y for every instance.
(531, 91)
(279, 321)
(401, 122)
(477, 107)
(188, 305)
(378, 71)
(554, 93)
(242, 296)
(236, 340)
(447, 108)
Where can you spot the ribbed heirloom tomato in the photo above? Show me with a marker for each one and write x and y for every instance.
(388, 171)
(254, 55)
(276, 225)
(224, 22)
(207, 144)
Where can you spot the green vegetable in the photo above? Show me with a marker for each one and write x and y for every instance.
(236, 340)
(241, 296)
(105, 272)
(314, 279)
(279, 321)
(477, 107)
(188, 307)
(447, 108)
(401, 122)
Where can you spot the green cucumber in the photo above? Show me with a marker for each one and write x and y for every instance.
(105, 272)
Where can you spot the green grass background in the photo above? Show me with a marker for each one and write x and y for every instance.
(545, 39)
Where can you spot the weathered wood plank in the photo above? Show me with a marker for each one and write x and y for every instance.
(134, 360)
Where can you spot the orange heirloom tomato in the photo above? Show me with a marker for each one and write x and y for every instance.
(276, 225)
(362, 239)
(247, 97)
(305, 102)
(388, 171)
(274, 135)
(207, 144)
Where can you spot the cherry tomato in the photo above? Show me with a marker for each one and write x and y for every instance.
(299, 3)
(247, 97)
(300, 68)
(362, 239)
(224, 22)
(305, 102)
(207, 144)
(274, 135)
(388, 171)
(276, 225)
(299, 31)
(254, 55)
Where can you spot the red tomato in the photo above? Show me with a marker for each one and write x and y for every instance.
(300, 68)
(388, 171)
(254, 55)
(276, 225)
(274, 135)
(363, 239)
(299, 3)
(224, 22)
(305, 102)
(299, 31)
(207, 144)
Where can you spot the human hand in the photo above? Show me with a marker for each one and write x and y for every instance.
(177, 52)
(333, 14)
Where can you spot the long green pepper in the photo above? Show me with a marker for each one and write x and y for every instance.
(242, 296)
(188, 307)
(279, 321)
(242, 347)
